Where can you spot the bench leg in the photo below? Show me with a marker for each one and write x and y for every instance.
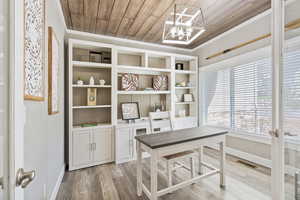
(192, 167)
(169, 173)
(200, 160)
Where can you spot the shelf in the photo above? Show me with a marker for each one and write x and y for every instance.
(99, 125)
(85, 107)
(185, 72)
(91, 65)
(183, 103)
(184, 88)
(91, 86)
(142, 70)
(144, 92)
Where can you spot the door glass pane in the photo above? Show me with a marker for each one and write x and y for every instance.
(291, 103)
(3, 96)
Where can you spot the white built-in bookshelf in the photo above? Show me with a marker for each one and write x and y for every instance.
(107, 113)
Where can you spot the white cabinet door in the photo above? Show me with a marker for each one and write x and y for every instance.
(82, 148)
(102, 145)
(124, 148)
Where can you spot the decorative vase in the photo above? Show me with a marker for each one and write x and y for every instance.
(92, 81)
(129, 82)
(160, 82)
(79, 82)
(102, 82)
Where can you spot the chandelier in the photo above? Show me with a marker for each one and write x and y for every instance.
(183, 25)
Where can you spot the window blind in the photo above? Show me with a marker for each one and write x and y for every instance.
(241, 97)
(217, 98)
(251, 97)
(291, 92)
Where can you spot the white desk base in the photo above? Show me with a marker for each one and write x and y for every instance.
(157, 153)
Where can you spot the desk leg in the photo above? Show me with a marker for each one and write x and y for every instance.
(139, 169)
(200, 160)
(154, 162)
(222, 165)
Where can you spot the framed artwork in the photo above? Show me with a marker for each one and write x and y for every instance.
(53, 72)
(34, 49)
(130, 111)
(188, 98)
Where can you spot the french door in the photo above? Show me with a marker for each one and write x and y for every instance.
(12, 110)
(3, 103)
(277, 132)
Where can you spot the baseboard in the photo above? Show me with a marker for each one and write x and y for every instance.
(58, 182)
(255, 159)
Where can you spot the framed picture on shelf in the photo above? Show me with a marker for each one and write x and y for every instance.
(95, 56)
(188, 97)
(130, 111)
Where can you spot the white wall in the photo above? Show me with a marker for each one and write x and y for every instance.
(246, 32)
(44, 134)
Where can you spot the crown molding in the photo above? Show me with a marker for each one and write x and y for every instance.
(98, 36)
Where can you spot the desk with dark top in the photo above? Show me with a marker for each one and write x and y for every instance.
(172, 142)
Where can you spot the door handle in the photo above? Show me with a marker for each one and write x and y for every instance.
(274, 133)
(24, 178)
(1, 183)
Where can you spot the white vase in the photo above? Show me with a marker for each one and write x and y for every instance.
(80, 82)
(102, 82)
(92, 81)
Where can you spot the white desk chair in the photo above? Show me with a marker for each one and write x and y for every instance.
(161, 122)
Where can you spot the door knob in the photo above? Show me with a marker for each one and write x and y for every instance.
(1, 183)
(24, 178)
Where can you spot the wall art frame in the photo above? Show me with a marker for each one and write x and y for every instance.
(34, 50)
(53, 72)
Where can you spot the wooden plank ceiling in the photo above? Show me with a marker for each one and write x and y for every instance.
(143, 20)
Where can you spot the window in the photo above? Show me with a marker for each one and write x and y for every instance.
(240, 97)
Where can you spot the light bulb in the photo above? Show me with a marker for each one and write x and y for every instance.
(188, 23)
(180, 32)
(188, 34)
(173, 32)
(189, 30)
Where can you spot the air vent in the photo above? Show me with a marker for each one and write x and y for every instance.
(246, 163)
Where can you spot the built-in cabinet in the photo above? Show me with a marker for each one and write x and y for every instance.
(92, 146)
(96, 132)
(125, 142)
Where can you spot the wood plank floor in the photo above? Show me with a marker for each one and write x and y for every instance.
(118, 182)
